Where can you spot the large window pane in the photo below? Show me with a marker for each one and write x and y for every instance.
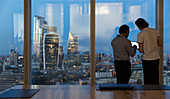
(61, 39)
(110, 15)
(166, 42)
(11, 43)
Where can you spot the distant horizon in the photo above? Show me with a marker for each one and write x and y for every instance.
(89, 53)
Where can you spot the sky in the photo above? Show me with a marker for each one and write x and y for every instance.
(76, 19)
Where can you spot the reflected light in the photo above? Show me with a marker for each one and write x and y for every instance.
(102, 10)
(51, 46)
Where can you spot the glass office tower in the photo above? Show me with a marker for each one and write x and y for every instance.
(51, 50)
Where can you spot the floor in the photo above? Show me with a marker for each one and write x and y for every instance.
(87, 92)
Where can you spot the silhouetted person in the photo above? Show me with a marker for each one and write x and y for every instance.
(149, 40)
(122, 49)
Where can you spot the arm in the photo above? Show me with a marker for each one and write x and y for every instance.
(159, 41)
(141, 47)
(140, 42)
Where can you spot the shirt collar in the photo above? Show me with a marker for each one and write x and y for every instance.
(146, 28)
(120, 36)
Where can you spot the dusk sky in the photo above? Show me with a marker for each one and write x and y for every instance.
(109, 16)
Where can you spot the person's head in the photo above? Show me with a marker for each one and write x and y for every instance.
(141, 23)
(124, 30)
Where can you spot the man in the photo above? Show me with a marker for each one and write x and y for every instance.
(122, 49)
(149, 40)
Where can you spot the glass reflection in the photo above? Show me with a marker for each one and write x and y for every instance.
(109, 16)
(11, 43)
(72, 21)
(166, 61)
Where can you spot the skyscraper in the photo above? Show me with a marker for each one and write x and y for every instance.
(75, 44)
(61, 57)
(13, 57)
(40, 27)
(86, 56)
(72, 44)
(50, 50)
(52, 29)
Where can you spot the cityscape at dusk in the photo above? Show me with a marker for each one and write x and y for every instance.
(61, 40)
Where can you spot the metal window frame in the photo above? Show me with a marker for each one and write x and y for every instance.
(92, 43)
(27, 40)
(160, 28)
(27, 43)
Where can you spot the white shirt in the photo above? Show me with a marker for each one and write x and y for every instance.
(148, 36)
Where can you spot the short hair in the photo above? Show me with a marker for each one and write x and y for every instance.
(124, 28)
(140, 22)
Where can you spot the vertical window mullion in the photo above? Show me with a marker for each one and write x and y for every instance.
(159, 26)
(27, 42)
(92, 43)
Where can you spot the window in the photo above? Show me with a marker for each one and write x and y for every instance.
(11, 43)
(110, 15)
(166, 43)
(61, 39)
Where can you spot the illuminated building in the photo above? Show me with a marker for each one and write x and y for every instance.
(72, 44)
(99, 57)
(104, 66)
(85, 67)
(75, 45)
(13, 57)
(51, 29)
(40, 27)
(61, 57)
(104, 74)
(50, 50)
(9, 79)
(86, 56)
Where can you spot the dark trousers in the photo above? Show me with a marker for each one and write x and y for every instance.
(123, 71)
(151, 72)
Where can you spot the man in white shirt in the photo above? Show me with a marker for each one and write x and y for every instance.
(149, 40)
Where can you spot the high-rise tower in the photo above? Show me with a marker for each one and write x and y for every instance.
(13, 57)
(40, 27)
(72, 44)
(51, 50)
